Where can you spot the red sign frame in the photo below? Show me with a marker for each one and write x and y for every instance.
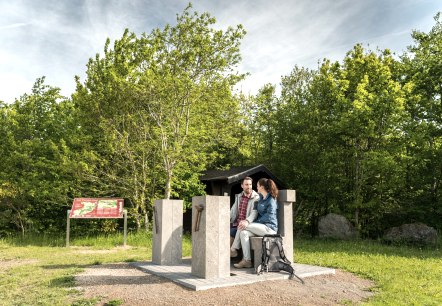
(97, 208)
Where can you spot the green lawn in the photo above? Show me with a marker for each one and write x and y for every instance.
(40, 270)
(403, 275)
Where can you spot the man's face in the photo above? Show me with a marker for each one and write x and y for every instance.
(247, 186)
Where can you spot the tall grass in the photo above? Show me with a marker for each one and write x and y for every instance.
(43, 268)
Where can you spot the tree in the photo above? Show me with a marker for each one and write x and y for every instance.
(34, 177)
(155, 109)
(297, 152)
(185, 87)
(422, 74)
(260, 117)
(348, 119)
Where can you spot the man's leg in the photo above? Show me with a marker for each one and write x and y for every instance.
(233, 231)
(254, 229)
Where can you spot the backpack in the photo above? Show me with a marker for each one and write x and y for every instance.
(273, 258)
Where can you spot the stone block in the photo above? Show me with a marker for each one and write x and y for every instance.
(256, 247)
(287, 195)
(210, 237)
(167, 235)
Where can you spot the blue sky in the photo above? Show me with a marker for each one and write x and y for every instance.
(55, 38)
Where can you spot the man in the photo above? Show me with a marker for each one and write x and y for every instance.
(242, 209)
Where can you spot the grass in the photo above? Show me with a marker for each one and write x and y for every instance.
(44, 268)
(404, 275)
(47, 273)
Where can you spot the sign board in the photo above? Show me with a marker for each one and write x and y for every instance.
(97, 208)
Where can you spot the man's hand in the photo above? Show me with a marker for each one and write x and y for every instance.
(243, 224)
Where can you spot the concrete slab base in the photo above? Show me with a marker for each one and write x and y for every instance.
(181, 274)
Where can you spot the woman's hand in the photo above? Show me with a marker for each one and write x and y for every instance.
(243, 224)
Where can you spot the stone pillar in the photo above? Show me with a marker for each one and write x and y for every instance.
(286, 198)
(167, 232)
(210, 236)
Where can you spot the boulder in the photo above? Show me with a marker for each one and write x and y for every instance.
(336, 226)
(416, 233)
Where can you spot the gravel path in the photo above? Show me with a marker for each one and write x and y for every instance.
(125, 283)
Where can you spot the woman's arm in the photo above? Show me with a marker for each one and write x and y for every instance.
(273, 206)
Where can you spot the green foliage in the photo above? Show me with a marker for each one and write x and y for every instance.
(34, 177)
(361, 137)
(422, 74)
(260, 117)
(85, 302)
(155, 109)
(114, 303)
(339, 129)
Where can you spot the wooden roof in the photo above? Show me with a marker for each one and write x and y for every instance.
(236, 174)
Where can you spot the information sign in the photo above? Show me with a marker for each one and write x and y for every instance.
(97, 208)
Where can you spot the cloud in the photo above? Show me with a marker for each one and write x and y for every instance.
(14, 25)
(291, 33)
(56, 38)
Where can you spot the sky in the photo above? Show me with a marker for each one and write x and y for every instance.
(56, 38)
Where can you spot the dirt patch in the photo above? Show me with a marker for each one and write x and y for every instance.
(134, 287)
(6, 264)
(95, 251)
(82, 250)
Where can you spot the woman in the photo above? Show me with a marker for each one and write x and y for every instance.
(265, 224)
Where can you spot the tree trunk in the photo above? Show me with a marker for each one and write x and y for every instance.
(357, 218)
(137, 220)
(168, 189)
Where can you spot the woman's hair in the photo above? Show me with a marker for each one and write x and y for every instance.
(269, 185)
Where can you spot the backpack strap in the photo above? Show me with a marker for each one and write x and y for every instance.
(285, 264)
(265, 253)
(281, 251)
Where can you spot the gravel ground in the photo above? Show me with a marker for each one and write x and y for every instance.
(125, 283)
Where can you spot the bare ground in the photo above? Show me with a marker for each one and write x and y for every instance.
(122, 282)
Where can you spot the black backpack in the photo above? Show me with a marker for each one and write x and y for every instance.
(273, 258)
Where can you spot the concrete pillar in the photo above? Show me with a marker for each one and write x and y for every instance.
(167, 232)
(286, 198)
(210, 238)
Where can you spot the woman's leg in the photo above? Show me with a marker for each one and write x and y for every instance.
(260, 229)
(253, 229)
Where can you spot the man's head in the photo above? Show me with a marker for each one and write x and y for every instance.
(246, 185)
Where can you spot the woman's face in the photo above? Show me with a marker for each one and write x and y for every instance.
(258, 187)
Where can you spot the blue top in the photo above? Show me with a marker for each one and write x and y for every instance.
(267, 212)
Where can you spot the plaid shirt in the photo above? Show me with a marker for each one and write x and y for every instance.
(242, 207)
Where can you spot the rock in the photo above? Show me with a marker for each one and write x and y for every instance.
(336, 226)
(416, 233)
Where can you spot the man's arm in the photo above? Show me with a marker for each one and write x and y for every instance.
(252, 217)
(234, 210)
